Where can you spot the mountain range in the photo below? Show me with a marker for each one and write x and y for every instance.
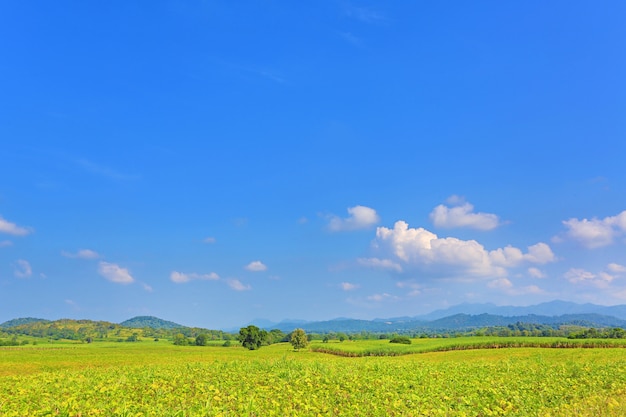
(467, 316)
(457, 318)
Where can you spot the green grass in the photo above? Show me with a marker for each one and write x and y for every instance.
(158, 379)
(384, 348)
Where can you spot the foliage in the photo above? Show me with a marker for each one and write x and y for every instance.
(180, 340)
(149, 321)
(614, 333)
(202, 339)
(252, 337)
(128, 379)
(299, 339)
(401, 339)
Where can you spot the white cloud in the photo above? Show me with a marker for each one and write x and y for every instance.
(581, 276)
(5, 243)
(507, 287)
(13, 229)
(596, 232)
(500, 283)
(421, 248)
(22, 269)
(382, 297)
(617, 268)
(81, 254)
(360, 217)
(256, 266)
(180, 277)
(463, 216)
(115, 273)
(209, 239)
(147, 287)
(536, 272)
(346, 286)
(237, 285)
(380, 264)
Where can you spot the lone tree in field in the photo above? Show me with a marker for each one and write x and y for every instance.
(252, 337)
(298, 339)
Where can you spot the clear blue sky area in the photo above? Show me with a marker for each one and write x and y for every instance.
(214, 162)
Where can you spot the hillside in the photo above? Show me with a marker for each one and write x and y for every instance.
(22, 321)
(152, 322)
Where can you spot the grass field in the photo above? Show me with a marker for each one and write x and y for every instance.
(148, 379)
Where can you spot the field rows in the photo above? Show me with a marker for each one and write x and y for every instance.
(274, 381)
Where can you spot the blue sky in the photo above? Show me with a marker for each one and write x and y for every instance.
(211, 162)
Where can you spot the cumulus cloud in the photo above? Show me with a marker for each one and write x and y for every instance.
(181, 278)
(346, 286)
(596, 232)
(360, 217)
(22, 269)
(237, 285)
(256, 266)
(115, 273)
(421, 248)
(13, 229)
(462, 215)
(380, 264)
(536, 272)
(81, 254)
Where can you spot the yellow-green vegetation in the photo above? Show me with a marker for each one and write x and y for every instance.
(159, 379)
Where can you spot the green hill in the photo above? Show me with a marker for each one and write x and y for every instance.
(152, 322)
(22, 321)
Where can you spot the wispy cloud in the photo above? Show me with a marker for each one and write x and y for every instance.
(209, 240)
(380, 264)
(81, 254)
(351, 39)
(22, 269)
(348, 286)
(180, 277)
(13, 229)
(360, 217)
(5, 243)
(256, 266)
(364, 14)
(105, 171)
(115, 273)
(237, 285)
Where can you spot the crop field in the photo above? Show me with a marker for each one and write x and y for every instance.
(159, 379)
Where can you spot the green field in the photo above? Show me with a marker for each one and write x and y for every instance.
(157, 378)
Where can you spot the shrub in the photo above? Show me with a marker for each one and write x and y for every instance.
(401, 339)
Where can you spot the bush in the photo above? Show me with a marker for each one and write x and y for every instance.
(401, 339)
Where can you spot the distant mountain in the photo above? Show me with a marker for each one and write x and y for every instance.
(551, 308)
(455, 322)
(22, 321)
(140, 322)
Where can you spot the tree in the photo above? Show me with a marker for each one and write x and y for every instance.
(202, 339)
(180, 340)
(252, 337)
(298, 339)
